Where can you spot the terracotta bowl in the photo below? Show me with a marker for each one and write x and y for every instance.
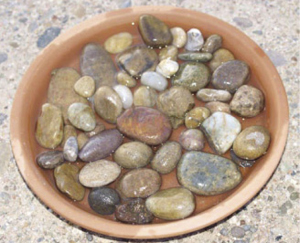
(65, 51)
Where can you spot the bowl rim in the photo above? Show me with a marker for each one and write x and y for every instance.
(153, 231)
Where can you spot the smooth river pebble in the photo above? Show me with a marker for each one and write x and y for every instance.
(144, 96)
(192, 139)
(214, 106)
(219, 57)
(118, 42)
(195, 56)
(154, 80)
(167, 68)
(207, 95)
(69, 131)
(169, 52)
(195, 40)
(125, 95)
(212, 43)
(179, 37)
(196, 116)
(125, 79)
(71, 149)
(85, 86)
(50, 159)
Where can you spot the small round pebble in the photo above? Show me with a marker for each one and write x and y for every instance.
(192, 139)
(125, 79)
(167, 68)
(118, 42)
(71, 149)
(169, 52)
(179, 37)
(103, 200)
(215, 106)
(144, 96)
(212, 43)
(154, 80)
(85, 86)
(195, 40)
(219, 57)
(237, 232)
(125, 95)
(196, 116)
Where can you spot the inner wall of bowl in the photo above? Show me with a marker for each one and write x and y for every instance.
(68, 56)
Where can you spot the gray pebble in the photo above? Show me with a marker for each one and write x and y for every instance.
(294, 196)
(3, 117)
(89, 237)
(71, 149)
(3, 57)
(48, 36)
(243, 22)
(237, 232)
(258, 32)
(224, 231)
(246, 227)
(50, 159)
(253, 229)
(4, 197)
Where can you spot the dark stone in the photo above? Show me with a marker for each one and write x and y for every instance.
(50, 159)
(48, 36)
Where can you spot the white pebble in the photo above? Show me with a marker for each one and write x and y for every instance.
(167, 68)
(154, 80)
(179, 37)
(125, 95)
(195, 40)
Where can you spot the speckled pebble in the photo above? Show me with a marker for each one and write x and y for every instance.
(48, 36)
(85, 86)
(125, 79)
(169, 52)
(179, 37)
(237, 232)
(192, 139)
(71, 149)
(118, 42)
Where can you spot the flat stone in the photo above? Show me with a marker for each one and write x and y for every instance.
(99, 173)
(192, 139)
(231, 75)
(98, 147)
(167, 157)
(118, 42)
(108, 104)
(175, 102)
(85, 86)
(248, 101)
(137, 60)
(50, 159)
(144, 96)
(61, 91)
(66, 180)
(69, 131)
(134, 211)
(154, 32)
(139, 183)
(252, 142)
(195, 56)
(49, 130)
(71, 149)
(221, 129)
(195, 40)
(207, 95)
(169, 52)
(207, 174)
(125, 94)
(196, 116)
(192, 75)
(241, 162)
(215, 106)
(154, 80)
(103, 200)
(145, 124)
(171, 204)
(219, 57)
(82, 117)
(125, 79)
(96, 62)
(179, 37)
(133, 155)
(212, 43)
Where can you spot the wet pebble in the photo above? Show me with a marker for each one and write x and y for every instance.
(215, 106)
(195, 56)
(248, 101)
(50, 159)
(179, 37)
(252, 142)
(69, 131)
(99, 173)
(294, 196)
(219, 57)
(221, 129)
(169, 52)
(237, 232)
(103, 200)
(167, 157)
(145, 124)
(192, 139)
(71, 149)
(97, 147)
(171, 204)
(154, 80)
(195, 40)
(207, 95)
(82, 116)
(125, 79)
(139, 183)
(207, 174)
(99, 128)
(118, 42)
(133, 211)
(133, 155)
(212, 43)
(85, 86)
(82, 139)
(192, 75)
(167, 68)
(144, 96)
(125, 95)
(49, 131)
(239, 161)
(196, 116)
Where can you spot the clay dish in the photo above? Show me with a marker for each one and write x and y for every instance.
(65, 51)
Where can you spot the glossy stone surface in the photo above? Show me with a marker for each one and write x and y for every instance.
(169, 52)
(252, 142)
(154, 32)
(71, 149)
(50, 159)
(212, 43)
(154, 80)
(241, 162)
(192, 139)
(61, 91)
(133, 211)
(248, 101)
(219, 57)
(103, 200)
(125, 79)
(207, 174)
(192, 75)
(66, 180)
(137, 59)
(145, 124)
(108, 104)
(175, 102)
(82, 116)
(133, 155)
(97, 147)
(69, 131)
(139, 183)
(49, 129)
(207, 95)
(195, 40)
(125, 95)
(196, 116)
(99, 173)
(221, 129)
(144, 96)
(171, 204)
(179, 37)
(118, 42)
(167, 157)
(231, 75)
(167, 68)
(85, 86)
(96, 62)
(195, 56)
(214, 106)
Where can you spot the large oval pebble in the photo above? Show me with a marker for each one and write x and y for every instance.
(101, 145)
(171, 204)
(118, 42)
(145, 124)
(50, 159)
(99, 173)
(207, 174)
(154, 80)
(139, 183)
